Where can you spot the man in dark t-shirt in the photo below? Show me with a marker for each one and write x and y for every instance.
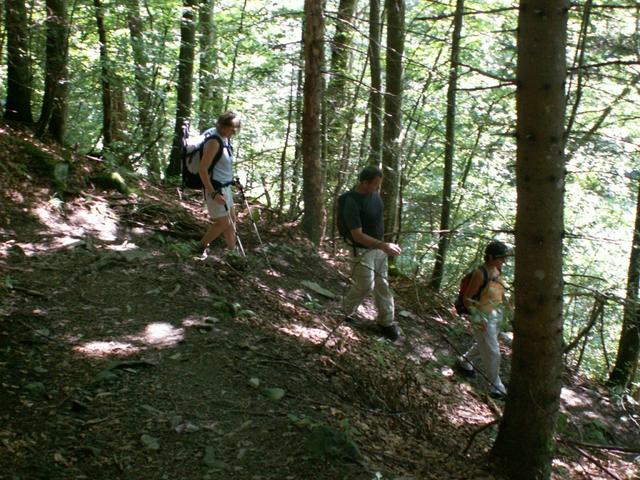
(363, 217)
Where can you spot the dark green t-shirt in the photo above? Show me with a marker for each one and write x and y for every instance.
(365, 211)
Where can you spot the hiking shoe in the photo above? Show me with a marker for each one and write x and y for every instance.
(498, 394)
(391, 332)
(349, 320)
(199, 251)
(464, 370)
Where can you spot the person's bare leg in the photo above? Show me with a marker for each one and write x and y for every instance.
(218, 226)
(230, 233)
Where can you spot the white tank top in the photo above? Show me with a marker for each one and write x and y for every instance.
(223, 170)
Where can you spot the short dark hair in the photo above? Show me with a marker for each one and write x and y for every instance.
(496, 249)
(229, 119)
(369, 173)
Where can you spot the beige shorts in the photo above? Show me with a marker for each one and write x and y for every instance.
(217, 210)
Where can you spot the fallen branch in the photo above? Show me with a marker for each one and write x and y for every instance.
(28, 291)
(616, 448)
(477, 432)
(595, 461)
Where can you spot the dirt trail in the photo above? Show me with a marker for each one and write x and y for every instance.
(124, 356)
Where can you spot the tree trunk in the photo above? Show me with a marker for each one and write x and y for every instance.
(375, 96)
(210, 95)
(393, 113)
(449, 150)
(313, 220)
(105, 76)
(185, 82)
(143, 86)
(626, 364)
(283, 156)
(18, 105)
(294, 202)
(53, 115)
(525, 439)
(337, 90)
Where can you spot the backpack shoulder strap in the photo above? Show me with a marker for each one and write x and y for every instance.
(485, 282)
(217, 138)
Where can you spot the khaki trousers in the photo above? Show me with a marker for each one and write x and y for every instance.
(370, 274)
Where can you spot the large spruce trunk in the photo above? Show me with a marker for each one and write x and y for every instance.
(314, 218)
(525, 443)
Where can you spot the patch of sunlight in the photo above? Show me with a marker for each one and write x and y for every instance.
(103, 349)
(162, 334)
(123, 247)
(313, 335)
(98, 220)
(157, 334)
(273, 273)
(571, 399)
(424, 352)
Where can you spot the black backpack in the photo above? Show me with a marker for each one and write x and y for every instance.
(461, 309)
(192, 148)
(344, 232)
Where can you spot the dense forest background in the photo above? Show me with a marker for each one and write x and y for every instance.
(427, 88)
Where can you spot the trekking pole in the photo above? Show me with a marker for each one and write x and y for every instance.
(255, 227)
(235, 231)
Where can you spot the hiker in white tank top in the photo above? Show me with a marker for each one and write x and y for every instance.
(217, 193)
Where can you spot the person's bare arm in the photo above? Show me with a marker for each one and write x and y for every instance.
(390, 249)
(208, 154)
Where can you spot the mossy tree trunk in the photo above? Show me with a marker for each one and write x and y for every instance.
(525, 443)
(53, 116)
(375, 95)
(392, 113)
(337, 95)
(18, 104)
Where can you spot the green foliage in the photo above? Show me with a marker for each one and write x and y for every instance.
(327, 442)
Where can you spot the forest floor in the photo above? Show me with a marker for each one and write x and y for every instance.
(124, 355)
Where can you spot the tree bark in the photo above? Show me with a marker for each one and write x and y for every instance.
(314, 218)
(210, 96)
(337, 90)
(53, 115)
(375, 95)
(393, 113)
(525, 439)
(105, 76)
(283, 155)
(294, 202)
(626, 364)
(18, 105)
(185, 82)
(449, 150)
(143, 86)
